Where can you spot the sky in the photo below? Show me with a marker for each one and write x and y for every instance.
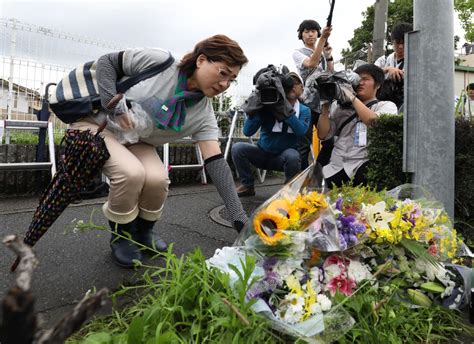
(265, 29)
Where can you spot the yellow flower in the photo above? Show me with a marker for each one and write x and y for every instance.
(309, 205)
(294, 218)
(294, 285)
(316, 199)
(310, 299)
(269, 227)
(279, 207)
(283, 207)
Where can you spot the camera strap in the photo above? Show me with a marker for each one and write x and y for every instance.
(354, 115)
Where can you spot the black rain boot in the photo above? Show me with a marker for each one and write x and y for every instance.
(145, 235)
(124, 252)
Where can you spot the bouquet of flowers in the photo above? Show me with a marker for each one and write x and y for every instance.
(313, 250)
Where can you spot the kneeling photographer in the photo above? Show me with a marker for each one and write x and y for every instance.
(347, 120)
(274, 109)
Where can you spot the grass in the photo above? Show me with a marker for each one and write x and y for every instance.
(381, 317)
(183, 301)
(31, 137)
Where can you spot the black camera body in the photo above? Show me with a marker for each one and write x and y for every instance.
(271, 86)
(267, 81)
(392, 90)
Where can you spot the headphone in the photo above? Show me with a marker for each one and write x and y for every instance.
(311, 23)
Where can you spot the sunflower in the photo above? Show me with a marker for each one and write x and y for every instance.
(279, 207)
(283, 207)
(269, 226)
(316, 199)
(310, 205)
(294, 218)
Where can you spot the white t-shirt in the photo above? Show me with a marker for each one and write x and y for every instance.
(299, 55)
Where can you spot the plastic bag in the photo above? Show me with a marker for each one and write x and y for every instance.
(143, 124)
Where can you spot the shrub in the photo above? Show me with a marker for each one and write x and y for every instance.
(386, 155)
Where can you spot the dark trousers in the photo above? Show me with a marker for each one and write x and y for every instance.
(341, 177)
(245, 154)
(304, 145)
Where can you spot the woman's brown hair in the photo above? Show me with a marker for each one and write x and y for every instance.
(218, 48)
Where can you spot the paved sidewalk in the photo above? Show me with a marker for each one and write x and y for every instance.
(72, 263)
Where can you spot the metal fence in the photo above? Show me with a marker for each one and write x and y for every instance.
(32, 56)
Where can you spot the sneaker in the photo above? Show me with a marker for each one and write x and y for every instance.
(245, 191)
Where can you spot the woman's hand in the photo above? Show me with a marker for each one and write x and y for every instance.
(125, 121)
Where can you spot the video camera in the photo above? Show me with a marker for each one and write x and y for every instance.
(269, 97)
(326, 86)
(267, 81)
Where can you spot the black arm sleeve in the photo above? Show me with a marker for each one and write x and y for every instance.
(221, 176)
(109, 70)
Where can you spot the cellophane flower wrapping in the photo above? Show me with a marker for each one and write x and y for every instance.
(311, 248)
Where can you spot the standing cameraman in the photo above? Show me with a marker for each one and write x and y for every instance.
(276, 147)
(392, 66)
(314, 56)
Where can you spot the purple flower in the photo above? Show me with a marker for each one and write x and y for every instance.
(342, 242)
(346, 221)
(339, 203)
(359, 227)
(257, 289)
(349, 227)
(269, 263)
(273, 279)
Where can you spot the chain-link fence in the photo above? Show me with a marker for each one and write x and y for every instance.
(33, 56)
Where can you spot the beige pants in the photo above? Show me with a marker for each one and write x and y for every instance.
(138, 179)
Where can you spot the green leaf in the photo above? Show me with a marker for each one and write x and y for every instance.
(135, 330)
(98, 338)
(433, 287)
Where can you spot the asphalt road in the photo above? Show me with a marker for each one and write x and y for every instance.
(72, 263)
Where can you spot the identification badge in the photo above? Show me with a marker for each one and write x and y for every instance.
(360, 138)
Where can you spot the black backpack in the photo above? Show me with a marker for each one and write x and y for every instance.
(77, 93)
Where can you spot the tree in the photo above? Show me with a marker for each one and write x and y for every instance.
(224, 99)
(398, 11)
(465, 9)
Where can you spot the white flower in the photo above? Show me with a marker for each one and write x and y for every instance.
(447, 291)
(331, 271)
(314, 274)
(324, 301)
(358, 271)
(291, 316)
(286, 267)
(298, 274)
(76, 228)
(373, 262)
(299, 242)
(315, 308)
(376, 215)
(294, 301)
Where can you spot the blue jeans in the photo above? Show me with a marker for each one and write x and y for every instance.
(245, 154)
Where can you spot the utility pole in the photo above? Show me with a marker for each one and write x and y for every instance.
(380, 28)
(429, 100)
